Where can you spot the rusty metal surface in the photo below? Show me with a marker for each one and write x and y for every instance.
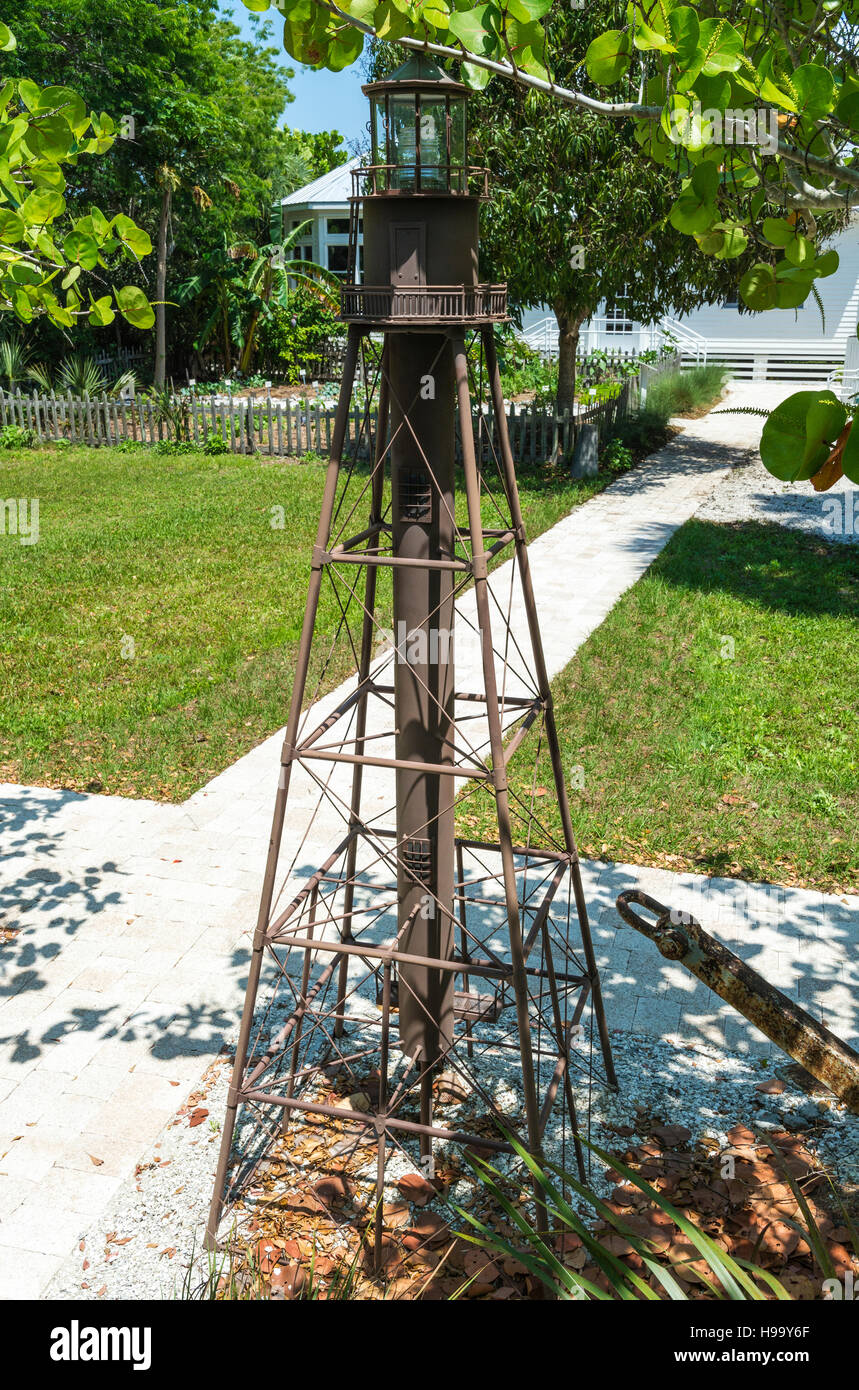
(433, 304)
(679, 937)
(414, 948)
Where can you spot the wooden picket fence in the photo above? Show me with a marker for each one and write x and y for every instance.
(282, 428)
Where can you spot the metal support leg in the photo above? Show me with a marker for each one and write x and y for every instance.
(368, 635)
(546, 693)
(499, 774)
(301, 668)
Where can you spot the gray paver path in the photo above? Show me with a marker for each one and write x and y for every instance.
(133, 918)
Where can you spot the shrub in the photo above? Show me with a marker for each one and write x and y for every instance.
(215, 443)
(16, 437)
(297, 337)
(643, 432)
(82, 376)
(522, 369)
(678, 392)
(617, 456)
(174, 446)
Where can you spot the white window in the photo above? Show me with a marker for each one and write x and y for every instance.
(338, 259)
(616, 315)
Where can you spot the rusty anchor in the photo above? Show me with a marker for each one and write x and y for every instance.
(679, 937)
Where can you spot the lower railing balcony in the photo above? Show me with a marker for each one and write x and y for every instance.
(417, 304)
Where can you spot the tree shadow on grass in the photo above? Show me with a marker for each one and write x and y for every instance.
(767, 564)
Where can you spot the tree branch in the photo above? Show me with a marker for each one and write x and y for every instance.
(569, 96)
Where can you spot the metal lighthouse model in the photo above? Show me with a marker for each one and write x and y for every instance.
(394, 946)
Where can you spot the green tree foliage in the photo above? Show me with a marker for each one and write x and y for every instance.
(53, 263)
(753, 105)
(197, 111)
(243, 285)
(299, 334)
(307, 156)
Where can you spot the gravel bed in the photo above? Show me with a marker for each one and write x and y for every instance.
(750, 493)
(159, 1216)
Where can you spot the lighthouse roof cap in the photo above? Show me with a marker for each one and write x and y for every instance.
(418, 71)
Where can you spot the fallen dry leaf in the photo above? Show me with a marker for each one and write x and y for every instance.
(333, 1188)
(416, 1189)
(832, 468)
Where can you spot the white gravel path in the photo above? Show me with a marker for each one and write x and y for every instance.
(750, 493)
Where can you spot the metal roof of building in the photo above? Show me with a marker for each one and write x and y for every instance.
(333, 187)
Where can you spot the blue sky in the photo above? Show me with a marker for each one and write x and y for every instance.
(323, 100)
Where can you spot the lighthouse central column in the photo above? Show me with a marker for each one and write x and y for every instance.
(423, 390)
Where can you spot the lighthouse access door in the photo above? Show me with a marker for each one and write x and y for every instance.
(408, 254)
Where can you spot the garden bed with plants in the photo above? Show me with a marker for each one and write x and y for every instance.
(710, 1176)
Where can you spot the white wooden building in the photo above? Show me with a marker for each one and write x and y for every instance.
(780, 344)
(325, 204)
(777, 345)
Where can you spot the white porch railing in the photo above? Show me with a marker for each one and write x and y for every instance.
(685, 339)
(608, 335)
(845, 384)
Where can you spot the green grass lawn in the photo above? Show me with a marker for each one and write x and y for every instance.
(737, 760)
(176, 553)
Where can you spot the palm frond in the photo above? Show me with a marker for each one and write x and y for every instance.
(81, 374)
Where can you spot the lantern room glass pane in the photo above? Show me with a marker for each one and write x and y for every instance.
(402, 142)
(458, 177)
(378, 130)
(433, 138)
